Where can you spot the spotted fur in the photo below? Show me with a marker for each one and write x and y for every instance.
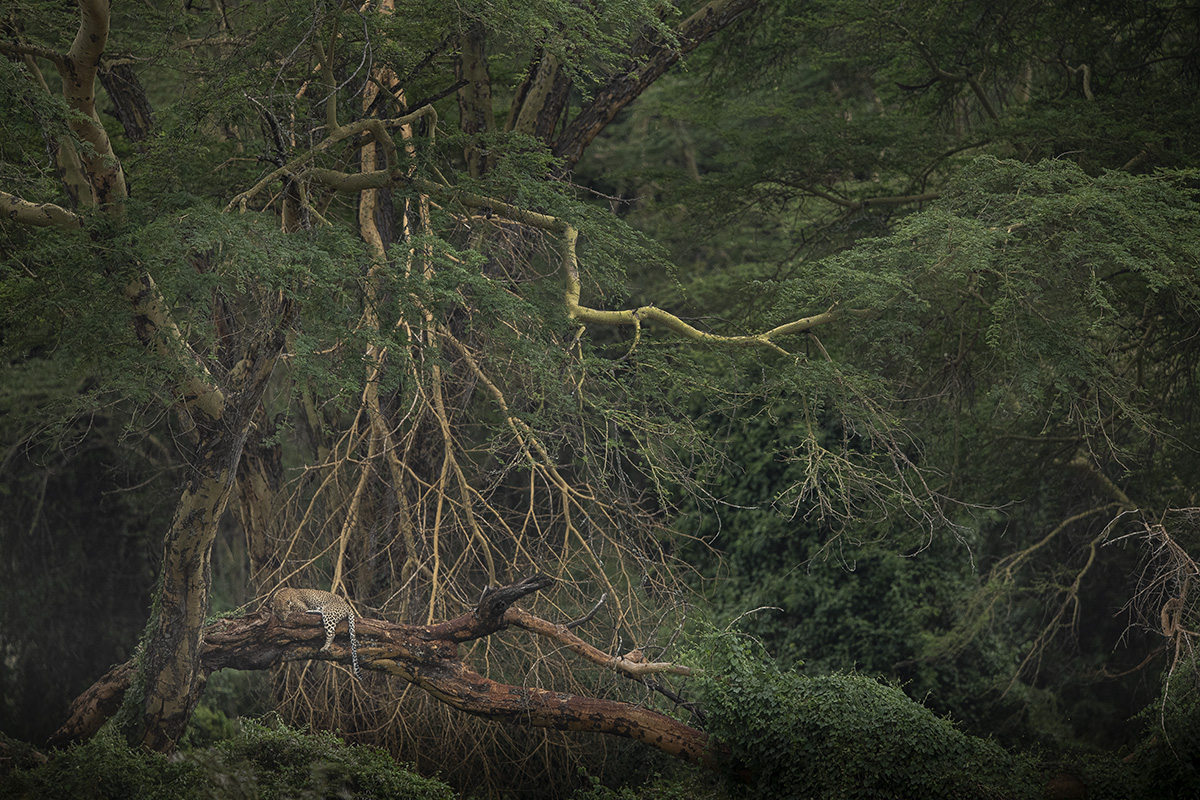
(332, 609)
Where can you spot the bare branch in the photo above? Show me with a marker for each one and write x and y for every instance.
(630, 663)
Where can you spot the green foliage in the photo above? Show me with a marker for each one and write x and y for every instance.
(681, 787)
(840, 736)
(1179, 719)
(230, 697)
(999, 198)
(1013, 324)
(1167, 764)
(261, 762)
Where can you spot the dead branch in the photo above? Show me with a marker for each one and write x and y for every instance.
(630, 663)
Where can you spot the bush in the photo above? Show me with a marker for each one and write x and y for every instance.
(260, 763)
(841, 736)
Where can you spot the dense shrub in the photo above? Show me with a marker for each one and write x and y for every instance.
(261, 762)
(842, 736)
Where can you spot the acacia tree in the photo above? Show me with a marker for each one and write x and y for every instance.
(354, 268)
(429, 336)
(1002, 192)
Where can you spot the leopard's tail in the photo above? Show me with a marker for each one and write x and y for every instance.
(353, 646)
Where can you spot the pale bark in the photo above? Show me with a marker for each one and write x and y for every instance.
(78, 69)
(41, 215)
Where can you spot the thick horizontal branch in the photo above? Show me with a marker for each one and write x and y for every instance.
(42, 215)
(459, 687)
(26, 49)
(425, 655)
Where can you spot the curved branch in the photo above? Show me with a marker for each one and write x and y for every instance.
(952, 77)
(629, 316)
(346, 181)
(78, 69)
(41, 215)
(629, 663)
(374, 180)
(635, 316)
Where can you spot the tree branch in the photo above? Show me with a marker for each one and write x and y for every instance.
(869, 202)
(78, 69)
(428, 656)
(629, 663)
(42, 215)
(634, 77)
(952, 77)
(346, 181)
(376, 127)
(25, 49)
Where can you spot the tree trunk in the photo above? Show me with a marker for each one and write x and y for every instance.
(130, 104)
(475, 98)
(170, 670)
(261, 501)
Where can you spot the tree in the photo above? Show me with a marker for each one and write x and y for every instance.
(1034, 357)
(422, 362)
(350, 291)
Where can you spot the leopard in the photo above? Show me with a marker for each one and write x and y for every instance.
(333, 609)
